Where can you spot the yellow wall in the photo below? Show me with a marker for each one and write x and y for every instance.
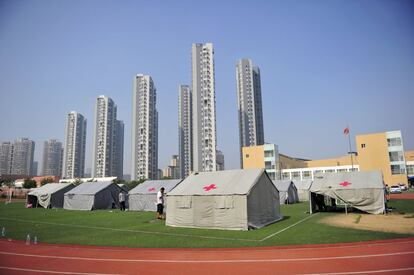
(253, 157)
(339, 161)
(287, 162)
(409, 156)
(375, 157)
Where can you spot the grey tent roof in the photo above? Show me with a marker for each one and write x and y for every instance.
(49, 195)
(90, 188)
(153, 186)
(347, 181)
(49, 188)
(282, 185)
(228, 182)
(302, 184)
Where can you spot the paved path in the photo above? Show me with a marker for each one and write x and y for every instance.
(383, 257)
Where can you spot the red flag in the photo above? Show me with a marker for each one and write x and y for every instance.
(346, 131)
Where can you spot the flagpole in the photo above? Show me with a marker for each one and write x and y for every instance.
(350, 150)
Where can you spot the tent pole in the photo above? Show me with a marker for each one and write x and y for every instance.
(310, 203)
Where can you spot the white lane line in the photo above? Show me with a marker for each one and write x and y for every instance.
(227, 250)
(365, 272)
(209, 261)
(130, 230)
(51, 271)
(284, 229)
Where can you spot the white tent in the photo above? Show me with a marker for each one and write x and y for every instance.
(362, 190)
(287, 191)
(144, 196)
(231, 199)
(303, 187)
(92, 195)
(50, 195)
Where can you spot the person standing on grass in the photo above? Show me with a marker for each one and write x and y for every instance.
(160, 204)
(122, 201)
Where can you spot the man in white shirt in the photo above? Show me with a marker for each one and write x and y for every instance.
(122, 200)
(160, 204)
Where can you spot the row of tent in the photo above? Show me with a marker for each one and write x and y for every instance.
(103, 195)
(231, 199)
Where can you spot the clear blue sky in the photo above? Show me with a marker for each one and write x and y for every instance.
(324, 65)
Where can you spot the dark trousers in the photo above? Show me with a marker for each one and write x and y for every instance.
(122, 205)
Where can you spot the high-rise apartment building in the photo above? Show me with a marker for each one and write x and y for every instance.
(35, 167)
(185, 130)
(74, 151)
(118, 163)
(249, 98)
(203, 108)
(5, 158)
(144, 129)
(172, 171)
(22, 157)
(52, 158)
(107, 159)
(220, 160)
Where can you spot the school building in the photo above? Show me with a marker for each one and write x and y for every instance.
(380, 151)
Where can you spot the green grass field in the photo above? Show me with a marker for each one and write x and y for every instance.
(140, 229)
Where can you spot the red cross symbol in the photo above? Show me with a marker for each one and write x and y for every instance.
(151, 189)
(345, 183)
(209, 187)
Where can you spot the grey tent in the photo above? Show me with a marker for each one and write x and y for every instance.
(231, 199)
(362, 190)
(303, 187)
(144, 196)
(287, 191)
(92, 195)
(50, 195)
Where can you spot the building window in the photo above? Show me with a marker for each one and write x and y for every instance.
(396, 156)
(286, 175)
(410, 169)
(329, 171)
(268, 154)
(247, 155)
(306, 175)
(363, 145)
(317, 172)
(296, 175)
(397, 169)
(268, 165)
(394, 141)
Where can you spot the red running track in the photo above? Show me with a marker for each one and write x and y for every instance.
(384, 257)
(402, 196)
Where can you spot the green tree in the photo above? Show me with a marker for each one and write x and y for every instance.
(29, 183)
(133, 183)
(46, 181)
(118, 181)
(78, 181)
(6, 181)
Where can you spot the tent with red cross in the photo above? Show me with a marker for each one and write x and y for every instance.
(362, 190)
(231, 199)
(144, 196)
